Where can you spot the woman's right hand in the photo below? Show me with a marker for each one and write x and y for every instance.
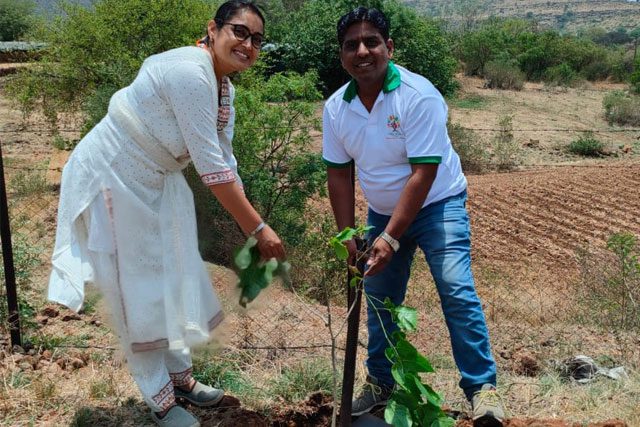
(269, 244)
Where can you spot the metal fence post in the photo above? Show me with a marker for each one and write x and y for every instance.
(13, 317)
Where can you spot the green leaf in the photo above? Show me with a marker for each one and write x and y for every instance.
(397, 415)
(406, 317)
(257, 274)
(355, 281)
(443, 421)
(243, 256)
(347, 234)
(428, 393)
(398, 374)
(391, 354)
(362, 229)
(340, 249)
(411, 359)
(268, 268)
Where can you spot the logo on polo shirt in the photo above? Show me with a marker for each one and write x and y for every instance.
(393, 123)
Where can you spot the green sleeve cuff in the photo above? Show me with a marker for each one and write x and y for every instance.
(336, 165)
(433, 160)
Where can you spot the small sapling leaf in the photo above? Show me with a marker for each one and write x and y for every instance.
(397, 415)
(243, 256)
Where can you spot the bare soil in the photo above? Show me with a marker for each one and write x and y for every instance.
(527, 225)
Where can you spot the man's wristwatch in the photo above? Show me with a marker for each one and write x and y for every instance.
(395, 245)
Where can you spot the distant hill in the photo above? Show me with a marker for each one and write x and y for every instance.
(568, 15)
(48, 7)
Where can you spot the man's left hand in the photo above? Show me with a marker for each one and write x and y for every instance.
(380, 255)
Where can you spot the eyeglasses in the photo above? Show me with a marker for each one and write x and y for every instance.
(241, 32)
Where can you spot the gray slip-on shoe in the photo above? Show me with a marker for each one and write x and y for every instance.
(201, 395)
(176, 417)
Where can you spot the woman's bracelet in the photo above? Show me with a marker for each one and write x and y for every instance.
(257, 229)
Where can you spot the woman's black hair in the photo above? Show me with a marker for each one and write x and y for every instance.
(230, 8)
(363, 14)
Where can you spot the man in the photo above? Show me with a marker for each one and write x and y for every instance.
(392, 124)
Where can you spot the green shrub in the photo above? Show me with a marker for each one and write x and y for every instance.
(610, 283)
(297, 382)
(505, 149)
(317, 274)
(474, 157)
(274, 118)
(470, 102)
(93, 52)
(635, 78)
(561, 75)
(502, 75)
(308, 41)
(15, 18)
(476, 48)
(27, 183)
(586, 145)
(621, 108)
(598, 70)
(26, 258)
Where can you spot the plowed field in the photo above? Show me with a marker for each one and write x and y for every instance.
(544, 215)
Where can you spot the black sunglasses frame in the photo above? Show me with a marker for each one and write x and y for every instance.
(257, 43)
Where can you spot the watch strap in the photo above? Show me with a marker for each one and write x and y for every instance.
(395, 245)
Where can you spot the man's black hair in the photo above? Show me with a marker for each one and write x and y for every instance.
(363, 14)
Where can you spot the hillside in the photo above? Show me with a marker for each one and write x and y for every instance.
(567, 15)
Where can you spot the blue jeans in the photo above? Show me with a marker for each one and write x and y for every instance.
(442, 231)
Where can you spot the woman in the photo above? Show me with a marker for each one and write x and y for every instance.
(126, 218)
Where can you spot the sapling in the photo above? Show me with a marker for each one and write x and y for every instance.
(413, 402)
(254, 273)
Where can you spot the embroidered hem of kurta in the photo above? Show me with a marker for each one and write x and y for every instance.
(221, 177)
(166, 397)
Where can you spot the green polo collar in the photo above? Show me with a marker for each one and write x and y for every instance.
(391, 82)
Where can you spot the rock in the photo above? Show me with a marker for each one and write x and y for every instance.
(25, 366)
(17, 358)
(61, 362)
(43, 364)
(50, 312)
(77, 363)
(54, 368)
(17, 349)
(71, 316)
(43, 320)
(30, 360)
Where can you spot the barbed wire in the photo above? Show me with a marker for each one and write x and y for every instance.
(313, 128)
(554, 130)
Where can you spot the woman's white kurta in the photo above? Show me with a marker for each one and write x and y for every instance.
(126, 218)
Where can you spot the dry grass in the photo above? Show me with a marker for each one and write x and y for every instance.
(528, 305)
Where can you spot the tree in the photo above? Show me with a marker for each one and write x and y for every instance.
(94, 52)
(15, 18)
(635, 35)
(307, 40)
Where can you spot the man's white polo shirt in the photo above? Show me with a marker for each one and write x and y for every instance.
(407, 125)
